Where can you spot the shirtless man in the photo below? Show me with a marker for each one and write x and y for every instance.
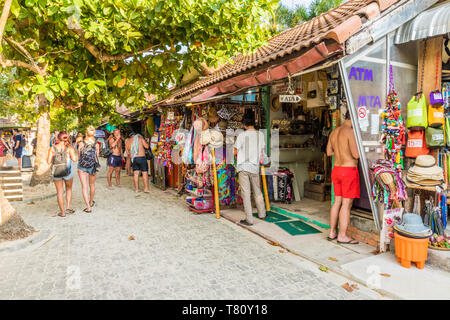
(115, 159)
(345, 178)
(135, 148)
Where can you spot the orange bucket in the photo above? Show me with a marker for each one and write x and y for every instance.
(410, 250)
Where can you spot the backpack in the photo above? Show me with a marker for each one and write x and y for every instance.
(60, 168)
(88, 157)
(105, 152)
(23, 142)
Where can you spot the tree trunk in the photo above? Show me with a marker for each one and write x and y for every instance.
(7, 211)
(42, 172)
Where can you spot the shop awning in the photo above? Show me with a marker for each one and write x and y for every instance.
(430, 23)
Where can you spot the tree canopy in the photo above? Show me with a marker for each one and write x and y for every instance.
(87, 56)
(288, 18)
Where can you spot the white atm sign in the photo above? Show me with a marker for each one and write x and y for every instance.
(290, 98)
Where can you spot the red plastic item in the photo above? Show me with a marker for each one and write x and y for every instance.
(410, 250)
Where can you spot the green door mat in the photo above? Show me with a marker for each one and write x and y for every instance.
(273, 217)
(295, 228)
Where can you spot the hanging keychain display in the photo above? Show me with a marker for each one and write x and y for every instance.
(393, 129)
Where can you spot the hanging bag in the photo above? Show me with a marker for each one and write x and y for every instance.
(417, 106)
(447, 130)
(435, 137)
(416, 145)
(315, 96)
(417, 113)
(436, 116)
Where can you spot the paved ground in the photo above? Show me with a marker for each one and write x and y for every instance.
(175, 255)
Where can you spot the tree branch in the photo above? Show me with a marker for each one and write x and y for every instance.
(4, 18)
(106, 57)
(16, 63)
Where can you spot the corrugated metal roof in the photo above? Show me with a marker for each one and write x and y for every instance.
(430, 23)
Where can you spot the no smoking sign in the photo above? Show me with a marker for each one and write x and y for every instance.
(362, 113)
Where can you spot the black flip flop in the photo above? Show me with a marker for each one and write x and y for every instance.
(348, 242)
(62, 216)
(93, 203)
(331, 239)
(70, 211)
(86, 210)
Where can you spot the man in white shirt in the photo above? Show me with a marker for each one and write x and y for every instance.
(248, 148)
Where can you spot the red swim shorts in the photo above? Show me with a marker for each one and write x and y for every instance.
(345, 182)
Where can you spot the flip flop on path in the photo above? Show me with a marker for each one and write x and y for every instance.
(87, 211)
(93, 203)
(351, 241)
(61, 215)
(70, 211)
(331, 239)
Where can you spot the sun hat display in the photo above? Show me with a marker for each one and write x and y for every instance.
(275, 104)
(205, 137)
(223, 124)
(212, 115)
(425, 171)
(412, 226)
(216, 139)
(200, 124)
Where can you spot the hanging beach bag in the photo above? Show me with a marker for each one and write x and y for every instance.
(447, 130)
(417, 113)
(435, 137)
(315, 96)
(436, 116)
(416, 145)
(202, 164)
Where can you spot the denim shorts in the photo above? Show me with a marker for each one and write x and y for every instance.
(66, 178)
(88, 170)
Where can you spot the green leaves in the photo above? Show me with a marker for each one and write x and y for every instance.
(15, 8)
(178, 35)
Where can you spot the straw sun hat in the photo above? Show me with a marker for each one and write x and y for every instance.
(425, 171)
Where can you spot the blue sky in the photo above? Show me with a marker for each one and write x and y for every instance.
(293, 3)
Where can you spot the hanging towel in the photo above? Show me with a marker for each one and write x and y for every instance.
(135, 146)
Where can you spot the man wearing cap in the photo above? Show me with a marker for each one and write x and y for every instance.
(345, 178)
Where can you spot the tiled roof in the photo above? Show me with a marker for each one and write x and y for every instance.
(338, 24)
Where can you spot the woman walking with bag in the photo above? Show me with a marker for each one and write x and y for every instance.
(61, 157)
(87, 167)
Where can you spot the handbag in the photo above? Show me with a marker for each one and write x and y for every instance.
(203, 165)
(435, 137)
(417, 113)
(416, 146)
(315, 95)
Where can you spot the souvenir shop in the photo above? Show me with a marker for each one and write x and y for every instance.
(396, 90)
(400, 112)
(204, 131)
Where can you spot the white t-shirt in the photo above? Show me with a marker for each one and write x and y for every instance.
(249, 145)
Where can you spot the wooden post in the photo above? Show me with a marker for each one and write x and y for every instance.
(266, 194)
(216, 187)
(433, 53)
